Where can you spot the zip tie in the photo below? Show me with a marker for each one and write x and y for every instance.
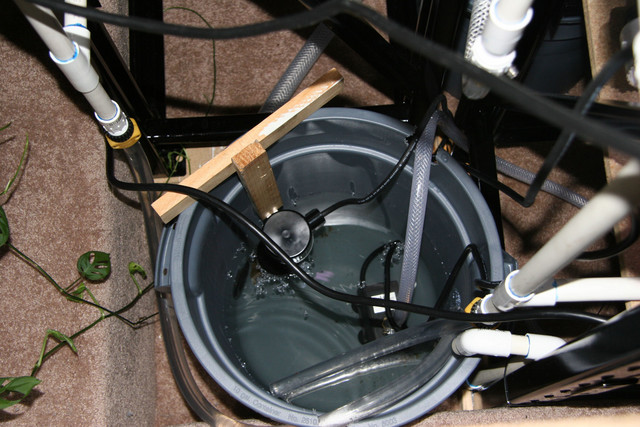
(126, 140)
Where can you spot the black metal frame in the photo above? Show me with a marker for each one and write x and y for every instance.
(140, 89)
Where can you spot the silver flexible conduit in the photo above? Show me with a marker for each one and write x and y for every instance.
(479, 14)
(298, 69)
(417, 209)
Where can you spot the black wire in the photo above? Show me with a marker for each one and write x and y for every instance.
(565, 138)
(609, 252)
(368, 260)
(472, 249)
(617, 248)
(601, 134)
(387, 287)
(582, 106)
(220, 207)
(400, 164)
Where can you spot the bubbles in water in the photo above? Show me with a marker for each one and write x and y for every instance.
(266, 284)
(240, 251)
(293, 196)
(396, 258)
(229, 274)
(455, 300)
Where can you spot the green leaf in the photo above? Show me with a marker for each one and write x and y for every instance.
(5, 126)
(77, 293)
(22, 385)
(136, 268)
(94, 265)
(62, 338)
(4, 227)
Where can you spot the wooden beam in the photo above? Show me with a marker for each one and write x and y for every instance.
(253, 168)
(271, 129)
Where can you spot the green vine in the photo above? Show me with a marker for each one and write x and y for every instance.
(92, 266)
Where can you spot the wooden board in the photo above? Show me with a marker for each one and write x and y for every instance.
(274, 127)
(253, 168)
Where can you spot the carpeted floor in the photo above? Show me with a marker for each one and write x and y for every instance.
(61, 206)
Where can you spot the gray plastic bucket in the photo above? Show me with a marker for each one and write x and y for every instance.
(248, 332)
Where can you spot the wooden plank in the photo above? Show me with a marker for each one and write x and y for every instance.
(253, 168)
(271, 129)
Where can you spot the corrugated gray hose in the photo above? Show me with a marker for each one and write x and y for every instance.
(298, 69)
(417, 209)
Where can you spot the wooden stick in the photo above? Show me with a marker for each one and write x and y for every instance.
(256, 175)
(271, 129)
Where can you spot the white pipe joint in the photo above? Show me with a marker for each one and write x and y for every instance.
(494, 50)
(498, 343)
(506, 23)
(503, 298)
(85, 80)
(116, 125)
(81, 36)
(70, 19)
(78, 71)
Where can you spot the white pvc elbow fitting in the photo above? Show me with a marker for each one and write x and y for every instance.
(498, 343)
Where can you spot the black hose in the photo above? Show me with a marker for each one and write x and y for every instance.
(585, 102)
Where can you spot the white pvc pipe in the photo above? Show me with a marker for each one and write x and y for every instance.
(49, 29)
(589, 289)
(512, 11)
(503, 29)
(592, 222)
(636, 57)
(70, 19)
(71, 61)
(76, 28)
(493, 342)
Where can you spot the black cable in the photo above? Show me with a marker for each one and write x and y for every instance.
(609, 252)
(583, 105)
(387, 287)
(617, 248)
(412, 141)
(565, 138)
(601, 134)
(451, 280)
(367, 262)
(219, 207)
